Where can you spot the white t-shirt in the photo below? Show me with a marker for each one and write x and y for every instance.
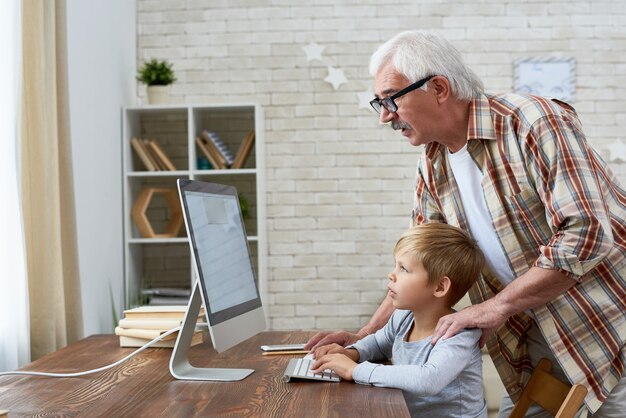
(469, 179)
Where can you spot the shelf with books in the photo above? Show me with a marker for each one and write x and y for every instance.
(157, 259)
(225, 137)
(152, 156)
(156, 132)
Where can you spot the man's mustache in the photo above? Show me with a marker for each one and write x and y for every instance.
(399, 125)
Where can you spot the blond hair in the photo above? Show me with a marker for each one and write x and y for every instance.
(444, 250)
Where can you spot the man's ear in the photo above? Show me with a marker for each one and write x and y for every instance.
(443, 287)
(441, 88)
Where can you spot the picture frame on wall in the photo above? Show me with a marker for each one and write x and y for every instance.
(546, 76)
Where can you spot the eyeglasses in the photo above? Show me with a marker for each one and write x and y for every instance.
(388, 102)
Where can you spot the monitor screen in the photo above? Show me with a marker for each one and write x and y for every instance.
(222, 259)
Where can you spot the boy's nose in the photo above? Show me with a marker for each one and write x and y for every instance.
(392, 276)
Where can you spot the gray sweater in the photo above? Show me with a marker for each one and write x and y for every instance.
(444, 380)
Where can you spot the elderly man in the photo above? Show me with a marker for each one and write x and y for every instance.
(517, 173)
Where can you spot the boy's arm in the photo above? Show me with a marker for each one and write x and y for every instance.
(444, 364)
(379, 346)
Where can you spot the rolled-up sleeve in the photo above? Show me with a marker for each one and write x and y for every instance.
(567, 184)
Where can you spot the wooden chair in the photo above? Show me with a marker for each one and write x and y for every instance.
(560, 399)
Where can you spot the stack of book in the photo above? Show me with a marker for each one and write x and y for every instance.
(152, 155)
(214, 150)
(145, 323)
(218, 154)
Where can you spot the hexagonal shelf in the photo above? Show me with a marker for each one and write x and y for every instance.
(141, 206)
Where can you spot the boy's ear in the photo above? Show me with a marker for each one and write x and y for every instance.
(443, 287)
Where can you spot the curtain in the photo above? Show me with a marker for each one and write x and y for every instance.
(14, 332)
(46, 181)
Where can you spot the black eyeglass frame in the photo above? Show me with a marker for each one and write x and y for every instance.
(388, 102)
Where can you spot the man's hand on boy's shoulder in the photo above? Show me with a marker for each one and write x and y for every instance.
(475, 316)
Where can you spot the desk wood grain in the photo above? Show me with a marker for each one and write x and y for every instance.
(143, 386)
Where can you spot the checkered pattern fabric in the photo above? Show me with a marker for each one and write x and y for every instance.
(556, 205)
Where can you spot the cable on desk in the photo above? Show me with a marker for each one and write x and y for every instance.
(134, 353)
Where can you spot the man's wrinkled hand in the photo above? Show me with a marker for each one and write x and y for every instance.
(320, 339)
(321, 351)
(484, 315)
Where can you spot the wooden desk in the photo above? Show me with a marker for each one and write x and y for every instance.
(143, 386)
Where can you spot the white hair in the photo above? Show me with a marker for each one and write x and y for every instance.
(418, 54)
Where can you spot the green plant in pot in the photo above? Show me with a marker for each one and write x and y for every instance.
(157, 76)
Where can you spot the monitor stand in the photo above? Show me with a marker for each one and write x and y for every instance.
(180, 367)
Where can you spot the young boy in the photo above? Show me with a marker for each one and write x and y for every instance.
(435, 265)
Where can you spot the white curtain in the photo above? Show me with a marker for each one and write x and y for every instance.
(14, 312)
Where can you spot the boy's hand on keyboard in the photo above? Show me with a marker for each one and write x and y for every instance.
(340, 364)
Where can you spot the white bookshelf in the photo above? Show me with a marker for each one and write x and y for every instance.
(166, 262)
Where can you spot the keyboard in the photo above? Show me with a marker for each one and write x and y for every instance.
(300, 369)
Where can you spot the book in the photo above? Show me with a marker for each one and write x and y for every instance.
(213, 159)
(162, 312)
(161, 156)
(220, 145)
(150, 323)
(244, 150)
(213, 149)
(149, 334)
(141, 153)
(167, 296)
(140, 342)
(167, 291)
(168, 300)
(150, 153)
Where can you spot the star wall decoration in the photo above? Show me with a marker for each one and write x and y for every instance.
(364, 99)
(335, 77)
(313, 51)
(617, 150)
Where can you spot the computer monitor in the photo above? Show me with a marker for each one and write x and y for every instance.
(226, 282)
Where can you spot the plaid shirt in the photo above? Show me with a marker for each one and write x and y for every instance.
(554, 204)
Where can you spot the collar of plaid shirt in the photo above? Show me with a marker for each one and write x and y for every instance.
(538, 168)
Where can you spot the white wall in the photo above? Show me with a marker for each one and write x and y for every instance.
(339, 185)
(101, 55)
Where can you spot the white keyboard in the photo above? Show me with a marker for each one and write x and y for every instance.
(300, 368)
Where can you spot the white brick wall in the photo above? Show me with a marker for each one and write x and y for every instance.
(339, 185)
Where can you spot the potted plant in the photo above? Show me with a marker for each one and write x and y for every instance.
(157, 76)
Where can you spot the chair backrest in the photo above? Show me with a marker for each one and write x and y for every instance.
(560, 399)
